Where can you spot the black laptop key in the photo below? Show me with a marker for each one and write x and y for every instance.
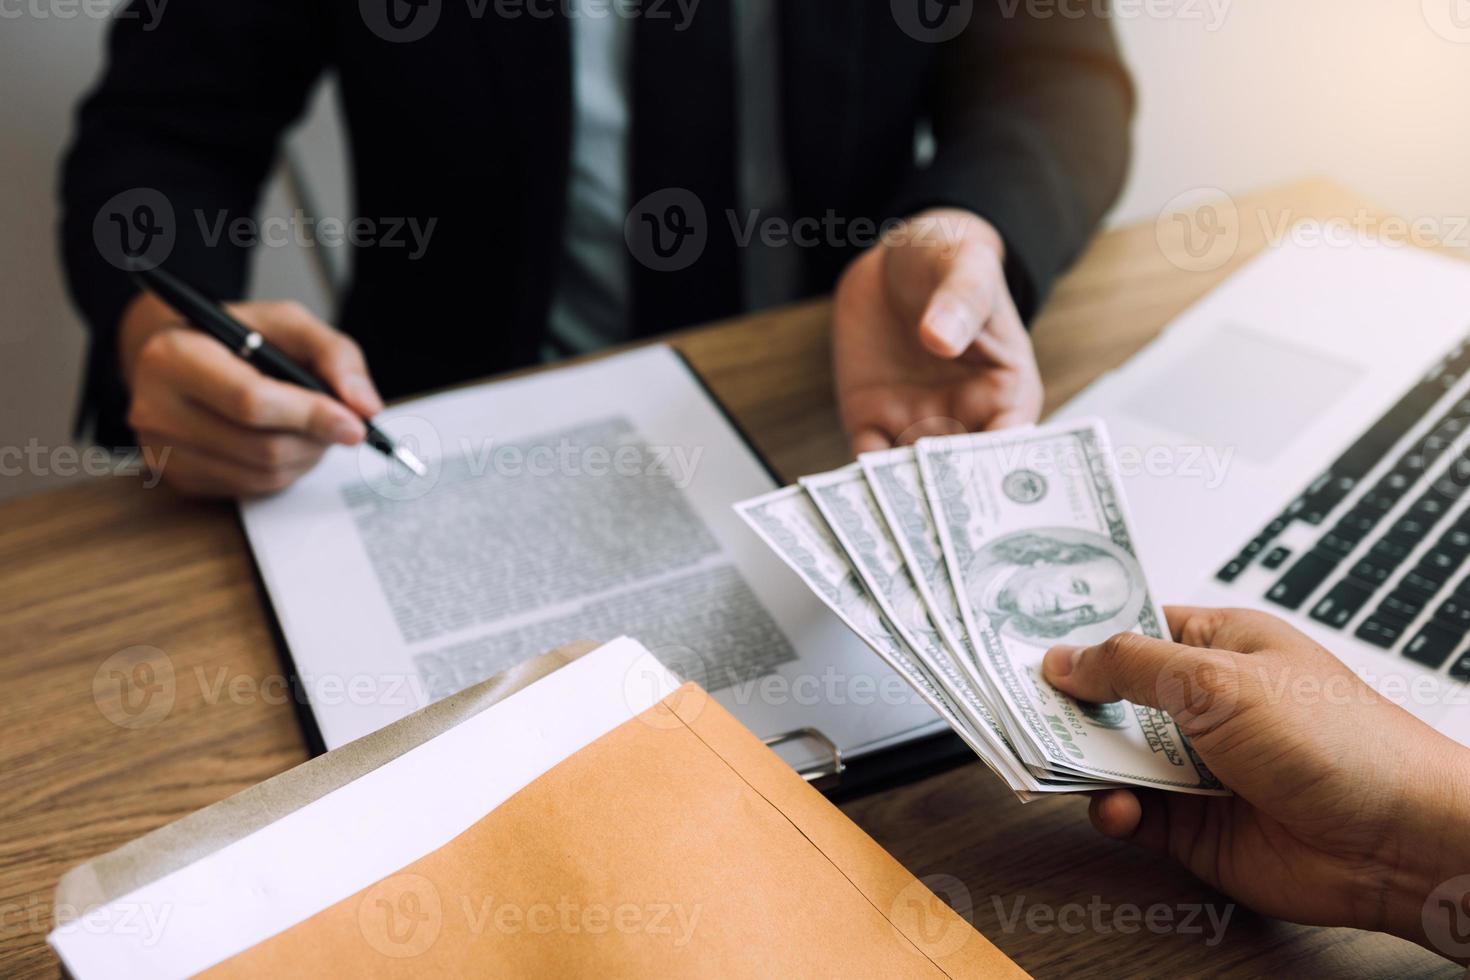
(1454, 481)
(1420, 582)
(1412, 465)
(1302, 579)
(1357, 522)
(1451, 425)
(1456, 541)
(1387, 552)
(1461, 670)
(1341, 603)
(1454, 613)
(1440, 560)
(1433, 644)
(1408, 530)
(1381, 629)
(1395, 484)
(1429, 508)
(1403, 604)
(1371, 572)
(1231, 571)
(1337, 544)
(1323, 496)
(1275, 558)
(1389, 429)
(1377, 501)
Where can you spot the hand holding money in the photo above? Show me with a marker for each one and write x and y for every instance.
(960, 561)
(1349, 810)
(997, 574)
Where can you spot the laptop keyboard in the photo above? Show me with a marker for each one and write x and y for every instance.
(1380, 576)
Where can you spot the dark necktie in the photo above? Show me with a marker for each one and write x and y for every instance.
(685, 268)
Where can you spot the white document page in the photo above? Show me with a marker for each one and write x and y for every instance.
(584, 503)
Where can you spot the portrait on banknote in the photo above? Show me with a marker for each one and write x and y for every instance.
(1056, 585)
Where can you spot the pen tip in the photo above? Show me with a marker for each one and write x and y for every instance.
(408, 459)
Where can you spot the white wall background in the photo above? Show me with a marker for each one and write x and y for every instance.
(1239, 95)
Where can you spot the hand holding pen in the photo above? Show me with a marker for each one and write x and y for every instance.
(215, 423)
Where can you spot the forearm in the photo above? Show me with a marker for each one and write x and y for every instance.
(1031, 124)
(170, 148)
(1427, 898)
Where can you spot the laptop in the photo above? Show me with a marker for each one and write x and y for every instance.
(1299, 443)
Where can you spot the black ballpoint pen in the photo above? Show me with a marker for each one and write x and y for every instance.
(251, 346)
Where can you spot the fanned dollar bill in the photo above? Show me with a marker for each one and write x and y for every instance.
(960, 562)
(852, 514)
(893, 477)
(1037, 540)
(790, 524)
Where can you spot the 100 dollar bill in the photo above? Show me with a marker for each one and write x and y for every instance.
(845, 500)
(792, 527)
(1038, 545)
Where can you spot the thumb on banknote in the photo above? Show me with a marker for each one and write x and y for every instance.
(1198, 688)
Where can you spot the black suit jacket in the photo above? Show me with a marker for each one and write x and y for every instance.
(470, 125)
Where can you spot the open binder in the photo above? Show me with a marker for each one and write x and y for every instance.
(325, 549)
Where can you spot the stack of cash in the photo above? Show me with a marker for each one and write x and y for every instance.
(960, 561)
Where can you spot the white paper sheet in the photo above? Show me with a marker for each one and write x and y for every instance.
(392, 591)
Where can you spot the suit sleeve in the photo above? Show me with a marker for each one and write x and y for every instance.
(1031, 123)
(173, 145)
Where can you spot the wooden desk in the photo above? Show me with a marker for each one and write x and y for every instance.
(91, 570)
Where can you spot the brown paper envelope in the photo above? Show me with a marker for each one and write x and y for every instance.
(675, 845)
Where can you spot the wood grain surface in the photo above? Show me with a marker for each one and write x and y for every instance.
(105, 566)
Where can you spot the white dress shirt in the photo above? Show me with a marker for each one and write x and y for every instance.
(593, 298)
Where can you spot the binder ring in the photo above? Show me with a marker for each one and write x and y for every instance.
(822, 776)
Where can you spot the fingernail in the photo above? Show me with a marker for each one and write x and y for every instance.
(348, 432)
(1060, 660)
(360, 390)
(952, 326)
